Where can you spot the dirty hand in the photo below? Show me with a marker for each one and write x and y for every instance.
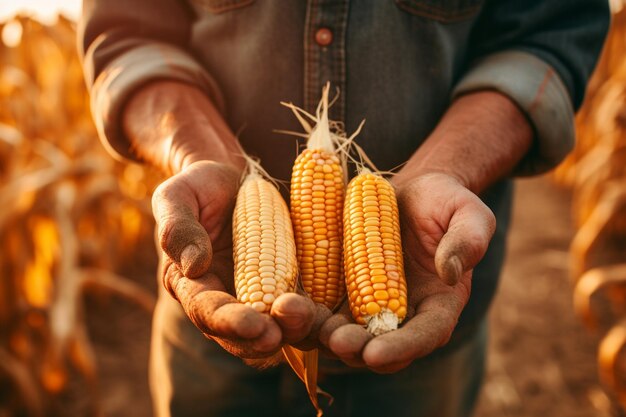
(446, 230)
(193, 212)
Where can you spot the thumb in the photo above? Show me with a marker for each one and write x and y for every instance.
(180, 234)
(466, 241)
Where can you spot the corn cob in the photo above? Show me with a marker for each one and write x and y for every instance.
(316, 212)
(316, 206)
(373, 254)
(263, 245)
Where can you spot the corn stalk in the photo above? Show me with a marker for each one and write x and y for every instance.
(596, 171)
(71, 218)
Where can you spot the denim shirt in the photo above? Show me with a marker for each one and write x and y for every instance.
(397, 64)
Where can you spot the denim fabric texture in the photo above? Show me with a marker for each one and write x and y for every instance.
(398, 64)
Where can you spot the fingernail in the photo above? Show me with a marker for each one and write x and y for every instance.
(454, 270)
(188, 256)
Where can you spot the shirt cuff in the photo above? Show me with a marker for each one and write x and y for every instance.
(127, 73)
(538, 91)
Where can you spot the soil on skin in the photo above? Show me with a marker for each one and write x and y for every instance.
(542, 361)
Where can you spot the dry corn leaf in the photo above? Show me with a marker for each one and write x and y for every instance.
(593, 281)
(612, 360)
(23, 383)
(588, 237)
(54, 172)
(305, 366)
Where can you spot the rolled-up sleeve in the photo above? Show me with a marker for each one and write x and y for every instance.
(125, 46)
(539, 53)
(538, 90)
(129, 71)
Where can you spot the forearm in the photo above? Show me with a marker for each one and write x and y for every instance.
(171, 125)
(479, 140)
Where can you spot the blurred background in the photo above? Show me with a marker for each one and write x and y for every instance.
(78, 264)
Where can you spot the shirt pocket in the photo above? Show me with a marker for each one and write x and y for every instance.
(445, 11)
(222, 6)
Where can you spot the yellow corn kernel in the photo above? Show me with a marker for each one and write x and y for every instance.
(373, 253)
(318, 226)
(264, 250)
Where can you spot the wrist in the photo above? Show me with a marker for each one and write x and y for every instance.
(172, 125)
(187, 145)
(223, 173)
(404, 179)
(407, 185)
(479, 140)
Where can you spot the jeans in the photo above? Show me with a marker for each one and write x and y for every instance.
(191, 376)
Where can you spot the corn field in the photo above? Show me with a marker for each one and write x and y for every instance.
(596, 172)
(72, 219)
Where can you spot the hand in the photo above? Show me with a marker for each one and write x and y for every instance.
(193, 211)
(446, 230)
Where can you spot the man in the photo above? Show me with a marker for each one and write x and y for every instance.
(463, 93)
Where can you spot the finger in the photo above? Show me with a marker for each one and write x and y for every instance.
(425, 332)
(348, 341)
(340, 318)
(312, 340)
(181, 236)
(233, 320)
(466, 240)
(218, 314)
(295, 314)
(221, 195)
(343, 338)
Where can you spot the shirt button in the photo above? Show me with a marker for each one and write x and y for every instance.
(324, 37)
